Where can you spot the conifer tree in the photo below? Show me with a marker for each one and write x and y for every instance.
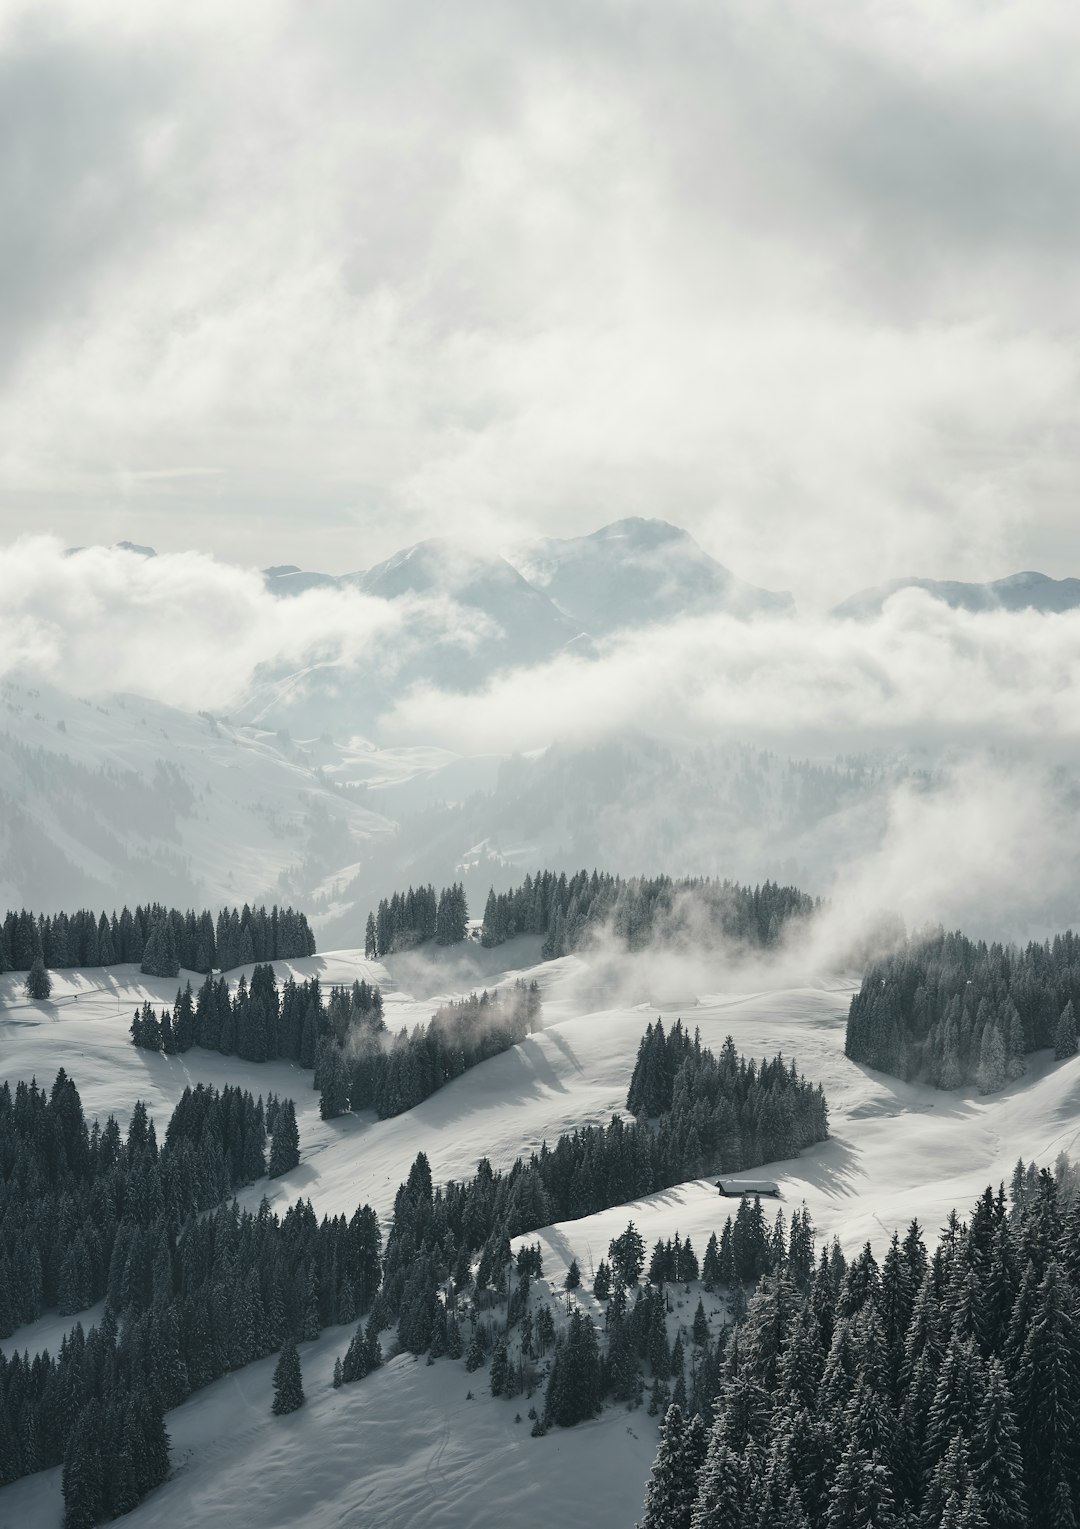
(996, 1462)
(284, 1140)
(500, 1369)
(1065, 1033)
(288, 1381)
(38, 982)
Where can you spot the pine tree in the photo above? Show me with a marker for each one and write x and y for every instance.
(996, 1462)
(1047, 1391)
(288, 1381)
(38, 982)
(721, 1499)
(1065, 1033)
(284, 1141)
(500, 1369)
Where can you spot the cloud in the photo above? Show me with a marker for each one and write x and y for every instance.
(188, 630)
(920, 673)
(801, 279)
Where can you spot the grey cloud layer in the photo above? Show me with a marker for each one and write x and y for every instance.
(306, 284)
(196, 632)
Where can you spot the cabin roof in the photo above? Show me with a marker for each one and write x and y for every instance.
(748, 1187)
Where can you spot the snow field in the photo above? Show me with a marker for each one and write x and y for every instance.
(404, 1446)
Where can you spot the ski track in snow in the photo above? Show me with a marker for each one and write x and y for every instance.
(404, 1447)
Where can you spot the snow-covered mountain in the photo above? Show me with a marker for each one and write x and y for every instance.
(637, 573)
(128, 800)
(1018, 592)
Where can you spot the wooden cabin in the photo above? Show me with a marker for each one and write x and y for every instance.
(740, 1188)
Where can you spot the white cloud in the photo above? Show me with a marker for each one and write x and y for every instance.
(799, 279)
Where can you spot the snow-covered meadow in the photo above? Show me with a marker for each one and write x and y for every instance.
(405, 1446)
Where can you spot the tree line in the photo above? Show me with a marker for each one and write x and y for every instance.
(569, 911)
(932, 1390)
(410, 918)
(160, 940)
(366, 1071)
(950, 1011)
(259, 1022)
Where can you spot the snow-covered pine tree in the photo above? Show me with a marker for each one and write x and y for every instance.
(288, 1380)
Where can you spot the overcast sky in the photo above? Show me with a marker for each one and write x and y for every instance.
(306, 283)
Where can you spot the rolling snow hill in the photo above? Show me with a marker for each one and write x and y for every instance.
(406, 1446)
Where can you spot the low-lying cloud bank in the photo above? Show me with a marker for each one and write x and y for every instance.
(194, 632)
(189, 630)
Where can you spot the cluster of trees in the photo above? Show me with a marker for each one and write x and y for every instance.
(366, 1071)
(259, 1022)
(735, 1114)
(951, 1011)
(160, 939)
(569, 911)
(409, 918)
(190, 1293)
(936, 1390)
(70, 1196)
(636, 1343)
(438, 1234)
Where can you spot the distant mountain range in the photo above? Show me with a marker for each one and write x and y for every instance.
(632, 573)
(1019, 592)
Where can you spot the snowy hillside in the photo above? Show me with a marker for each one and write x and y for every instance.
(404, 1446)
(124, 799)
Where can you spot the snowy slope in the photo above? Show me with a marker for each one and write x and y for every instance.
(404, 1447)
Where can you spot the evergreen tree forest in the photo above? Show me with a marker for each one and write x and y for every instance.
(71, 1195)
(734, 1114)
(160, 940)
(193, 1287)
(568, 911)
(410, 918)
(368, 1071)
(923, 1391)
(950, 1011)
(259, 1022)
(638, 911)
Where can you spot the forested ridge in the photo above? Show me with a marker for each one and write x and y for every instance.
(161, 940)
(568, 911)
(941, 1391)
(949, 1011)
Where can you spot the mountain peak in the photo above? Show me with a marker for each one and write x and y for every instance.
(637, 572)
